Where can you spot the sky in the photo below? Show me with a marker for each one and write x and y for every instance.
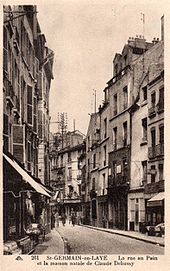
(85, 35)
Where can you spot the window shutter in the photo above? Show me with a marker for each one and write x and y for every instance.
(29, 105)
(18, 142)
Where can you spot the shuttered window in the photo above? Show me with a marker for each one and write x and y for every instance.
(18, 142)
(29, 105)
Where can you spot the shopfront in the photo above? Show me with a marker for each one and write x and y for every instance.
(155, 209)
(22, 205)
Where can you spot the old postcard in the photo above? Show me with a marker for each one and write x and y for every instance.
(84, 151)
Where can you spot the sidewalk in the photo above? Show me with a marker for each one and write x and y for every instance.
(132, 234)
(53, 244)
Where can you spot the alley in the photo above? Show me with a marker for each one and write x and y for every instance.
(82, 240)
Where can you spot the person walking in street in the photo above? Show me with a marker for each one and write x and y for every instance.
(73, 217)
(52, 220)
(63, 219)
(56, 219)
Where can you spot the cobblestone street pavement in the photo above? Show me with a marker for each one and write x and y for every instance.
(82, 240)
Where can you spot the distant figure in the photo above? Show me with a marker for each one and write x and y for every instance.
(52, 220)
(63, 219)
(56, 219)
(73, 217)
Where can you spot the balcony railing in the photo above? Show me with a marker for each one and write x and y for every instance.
(117, 181)
(152, 111)
(156, 151)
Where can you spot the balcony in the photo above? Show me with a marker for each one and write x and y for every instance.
(156, 151)
(154, 187)
(152, 111)
(117, 181)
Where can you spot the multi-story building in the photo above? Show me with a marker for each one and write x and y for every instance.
(92, 166)
(154, 187)
(65, 171)
(119, 156)
(140, 120)
(23, 200)
(122, 94)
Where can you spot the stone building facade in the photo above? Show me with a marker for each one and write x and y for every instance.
(24, 201)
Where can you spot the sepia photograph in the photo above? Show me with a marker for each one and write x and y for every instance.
(83, 131)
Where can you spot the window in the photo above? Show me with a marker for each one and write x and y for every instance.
(93, 184)
(115, 138)
(105, 127)
(116, 69)
(153, 99)
(144, 91)
(153, 174)
(94, 160)
(153, 137)
(144, 129)
(161, 134)
(104, 161)
(88, 162)
(161, 100)
(104, 182)
(88, 143)
(160, 172)
(125, 133)
(69, 156)
(70, 173)
(29, 105)
(125, 97)
(144, 171)
(115, 104)
(125, 60)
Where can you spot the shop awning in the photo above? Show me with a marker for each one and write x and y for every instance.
(157, 200)
(26, 176)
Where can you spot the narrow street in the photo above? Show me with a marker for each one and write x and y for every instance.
(82, 240)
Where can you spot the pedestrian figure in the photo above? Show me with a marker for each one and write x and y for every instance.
(56, 219)
(73, 217)
(63, 219)
(52, 220)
